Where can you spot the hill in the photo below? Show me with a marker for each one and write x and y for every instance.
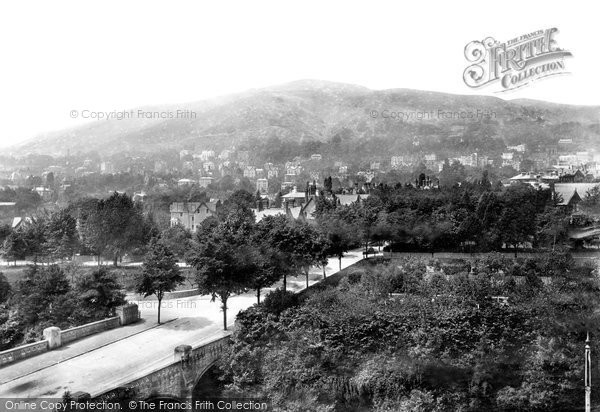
(318, 110)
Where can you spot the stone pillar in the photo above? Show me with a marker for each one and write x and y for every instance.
(128, 314)
(52, 335)
(182, 353)
(187, 381)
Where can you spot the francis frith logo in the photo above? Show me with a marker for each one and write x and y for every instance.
(516, 62)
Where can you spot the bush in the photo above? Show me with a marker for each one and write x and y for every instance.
(280, 300)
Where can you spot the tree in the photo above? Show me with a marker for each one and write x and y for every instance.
(34, 234)
(14, 246)
(517, 220)
(61, 234)
(297, 241)
(552, 226)
(98, 294)
(114, 225)
(41, 294)
(309, 247)
(452, 174)
(268, 266)
(178, 239)
(339, 239)
(224, 259)
(159, 273)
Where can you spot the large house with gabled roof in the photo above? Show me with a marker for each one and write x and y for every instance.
(191, 214)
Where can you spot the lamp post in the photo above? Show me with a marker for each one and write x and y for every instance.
(588, 374)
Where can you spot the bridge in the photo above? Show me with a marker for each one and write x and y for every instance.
(141, 356)
(178, 379)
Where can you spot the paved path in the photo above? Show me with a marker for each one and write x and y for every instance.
(103, 361)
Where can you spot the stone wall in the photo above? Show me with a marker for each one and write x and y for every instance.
(127, 314)
(23, 352)
(78, 332)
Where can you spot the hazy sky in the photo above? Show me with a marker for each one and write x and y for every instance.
(113, 55)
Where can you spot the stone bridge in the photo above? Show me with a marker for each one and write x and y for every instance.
(176, 380)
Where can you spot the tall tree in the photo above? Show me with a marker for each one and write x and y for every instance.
(98, 294)
(268, 264)
(292, 239)
(178, 239)
(114, 225)
(61, 234)
(14, 246)
(159, 273)
(224, 259)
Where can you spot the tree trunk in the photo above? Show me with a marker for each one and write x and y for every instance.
(224, 302)
(284, 282)
(159, 300)
(306, 273)
(98, 259)
(116, 259)
(324, 272)
(258, 295)
(340, 261)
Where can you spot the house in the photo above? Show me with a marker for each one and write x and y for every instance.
(185, 182)
(525, 177)
(576, 176)
(261, 214)
(204, 181)
(316, 156)
(262, 186)
(191, 214)
(208, 166)
(517, 148)
(207, 154)
(294, 199)
(346, 200)
(250, 172)
(44, 192)
(107, 167)
(570, 194)
(18, 221)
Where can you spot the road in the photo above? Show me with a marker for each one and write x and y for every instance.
(104, 361)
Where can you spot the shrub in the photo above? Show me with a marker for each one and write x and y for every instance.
(279, 300)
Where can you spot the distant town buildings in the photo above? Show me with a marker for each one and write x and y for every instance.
(191, 214)
(204, 181)
(262, 186)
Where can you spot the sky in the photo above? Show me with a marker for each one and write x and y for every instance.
(107, 55)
